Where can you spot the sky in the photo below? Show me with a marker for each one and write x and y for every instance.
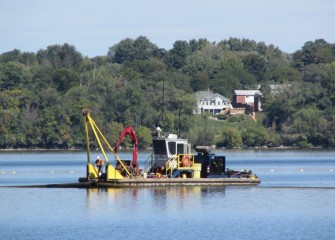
(93, 26)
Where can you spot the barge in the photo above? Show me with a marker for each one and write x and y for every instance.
(172, 163)
(150, 182)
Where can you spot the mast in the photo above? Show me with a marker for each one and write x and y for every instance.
(162, 113)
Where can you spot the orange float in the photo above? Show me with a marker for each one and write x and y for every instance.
(186, 161)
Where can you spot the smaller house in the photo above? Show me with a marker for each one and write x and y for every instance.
(248, 99)
(210, 102)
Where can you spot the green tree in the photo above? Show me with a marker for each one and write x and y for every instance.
(123, 51)
(60, 56)
(286, 74)
(230, 138)
(236, 44)
(64, 79)
(315, 52)
(144, 48)
(42, 77)
(254, 134)
(144, 137)
(128, 50)
(199, 81)
(256, 65)
(281, 107)
(205, 60)
(15, 55)
(9, 112)
(14, 75)
(198, 44)
(202, 132)
(330, 133)
(178, 54)
(75, 99)
(310, 125)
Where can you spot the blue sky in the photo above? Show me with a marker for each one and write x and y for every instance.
(93, 26)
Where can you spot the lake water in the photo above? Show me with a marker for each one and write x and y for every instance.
(296, 200)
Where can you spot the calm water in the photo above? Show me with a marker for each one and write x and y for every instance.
(296, 200)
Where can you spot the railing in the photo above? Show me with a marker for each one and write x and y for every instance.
(171, 164)
(149, 162)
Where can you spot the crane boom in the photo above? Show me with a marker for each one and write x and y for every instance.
(129, 131)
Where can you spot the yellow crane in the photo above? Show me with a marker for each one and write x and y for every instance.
(110, 172)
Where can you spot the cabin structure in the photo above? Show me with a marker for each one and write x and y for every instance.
(209, 102)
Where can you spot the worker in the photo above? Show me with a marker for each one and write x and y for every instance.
(99, 163)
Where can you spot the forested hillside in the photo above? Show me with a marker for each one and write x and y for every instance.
(42, 93)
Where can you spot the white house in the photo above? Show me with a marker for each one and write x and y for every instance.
(214, 103)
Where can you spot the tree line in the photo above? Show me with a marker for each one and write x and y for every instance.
(141, 85)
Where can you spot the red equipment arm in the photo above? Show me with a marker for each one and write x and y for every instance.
(128, 131)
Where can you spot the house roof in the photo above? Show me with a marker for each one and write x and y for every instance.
(209, 96)
(247, 92)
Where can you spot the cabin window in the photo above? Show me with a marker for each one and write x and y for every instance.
(180, 148)
(159, 147)
(172, 147)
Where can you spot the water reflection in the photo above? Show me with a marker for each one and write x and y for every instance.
(186, 192)
(160, 199)
(175, 198)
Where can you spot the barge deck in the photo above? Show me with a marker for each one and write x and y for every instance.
(153, 182)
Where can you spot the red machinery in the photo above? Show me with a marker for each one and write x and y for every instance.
(129, 131)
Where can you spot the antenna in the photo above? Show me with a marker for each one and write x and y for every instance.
(179, 123)
(162, 113)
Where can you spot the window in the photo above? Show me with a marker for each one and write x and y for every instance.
(172, 147)
(159, 147)
(180, 148)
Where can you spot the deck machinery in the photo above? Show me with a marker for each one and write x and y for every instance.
(172, 157)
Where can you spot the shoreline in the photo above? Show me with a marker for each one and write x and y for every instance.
(213, 149)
